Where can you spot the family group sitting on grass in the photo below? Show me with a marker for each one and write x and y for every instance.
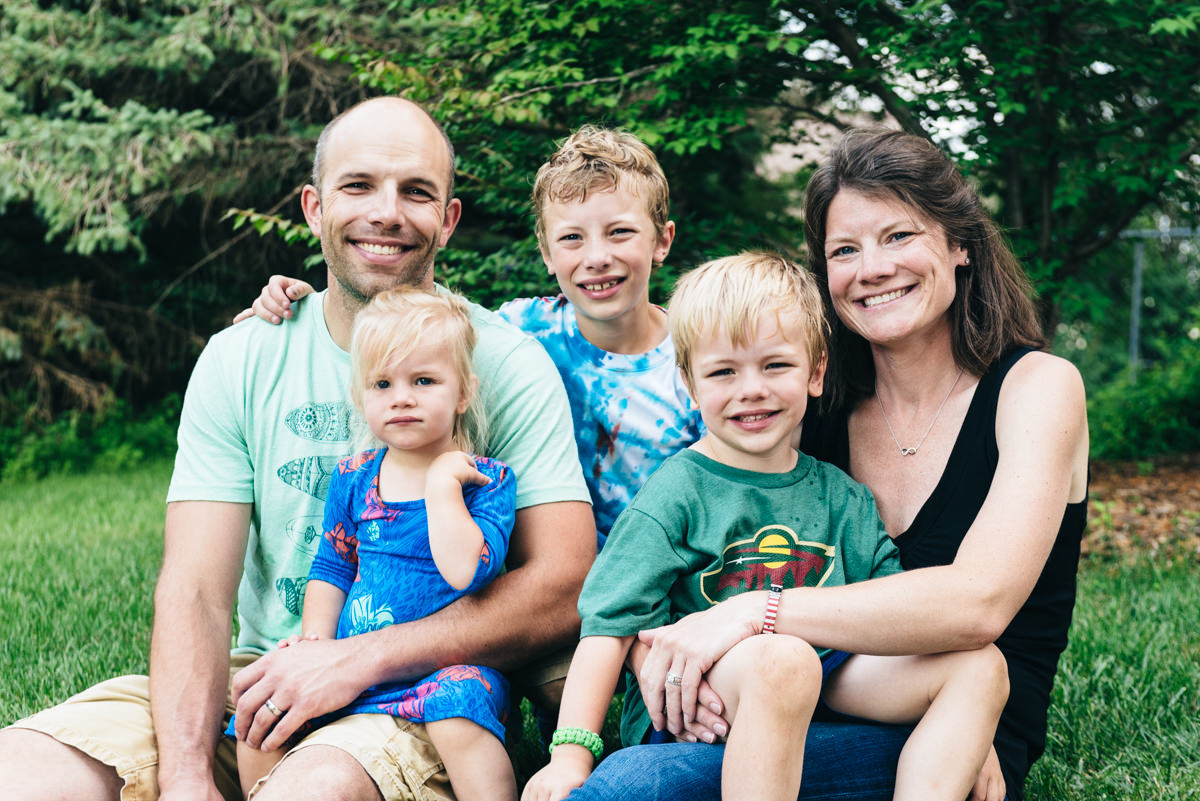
(910, 624)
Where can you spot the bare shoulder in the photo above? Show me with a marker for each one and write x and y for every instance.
(1041, 420)
(1044, 380)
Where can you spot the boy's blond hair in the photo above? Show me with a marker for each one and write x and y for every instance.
(730, 294)
(399, 321)
(600, 160)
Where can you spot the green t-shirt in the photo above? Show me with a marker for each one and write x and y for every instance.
(266, 418)
(700, 531)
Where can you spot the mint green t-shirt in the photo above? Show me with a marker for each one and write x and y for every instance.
(700, 531)
(266, 418)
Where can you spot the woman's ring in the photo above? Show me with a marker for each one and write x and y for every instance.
(674, 679)
(274, 710)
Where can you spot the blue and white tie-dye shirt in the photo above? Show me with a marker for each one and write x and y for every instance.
(631, 411)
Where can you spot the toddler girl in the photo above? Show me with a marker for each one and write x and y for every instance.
(410, 527)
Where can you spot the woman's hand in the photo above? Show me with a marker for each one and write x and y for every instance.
(688, 648)
(274, 303)
(989, 785)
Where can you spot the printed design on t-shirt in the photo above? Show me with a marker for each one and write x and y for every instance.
(303, 532)
(364, 616)
(327, 421)
(774, 555)
(291, 592)
(309, 474)
(344, 543)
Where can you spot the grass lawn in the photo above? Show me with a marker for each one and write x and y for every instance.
(79, 556)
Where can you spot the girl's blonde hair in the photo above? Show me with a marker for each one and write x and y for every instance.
(394, 325)
(732, 293)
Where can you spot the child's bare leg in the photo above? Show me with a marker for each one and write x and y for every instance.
(770, 685)
(253, 764)
(475, 760)
(957, 698)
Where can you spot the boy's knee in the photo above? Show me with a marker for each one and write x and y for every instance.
(987, 668)
(783, 662)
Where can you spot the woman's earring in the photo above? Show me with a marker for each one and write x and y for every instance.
(966, 261)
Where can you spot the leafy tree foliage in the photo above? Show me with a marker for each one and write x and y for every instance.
(1072, 116)
(127, 130)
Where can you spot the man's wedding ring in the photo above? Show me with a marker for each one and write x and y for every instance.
(674, 679)
(274, 710)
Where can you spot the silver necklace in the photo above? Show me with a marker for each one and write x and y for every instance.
(910, 451)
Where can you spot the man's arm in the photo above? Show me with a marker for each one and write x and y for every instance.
(205, 543)
(526, 612)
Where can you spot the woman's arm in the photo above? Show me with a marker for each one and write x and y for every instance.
(1041, 431)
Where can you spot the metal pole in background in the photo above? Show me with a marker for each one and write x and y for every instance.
(1135, 309)
(1165, 233)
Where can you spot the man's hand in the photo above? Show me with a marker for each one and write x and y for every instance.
(307, 679)
(274, 303)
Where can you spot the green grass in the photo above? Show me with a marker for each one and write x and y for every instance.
(1125, 717)
(79, 555)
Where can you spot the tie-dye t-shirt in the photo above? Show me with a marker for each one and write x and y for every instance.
(631, 411)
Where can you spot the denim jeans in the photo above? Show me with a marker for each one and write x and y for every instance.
(844, 761)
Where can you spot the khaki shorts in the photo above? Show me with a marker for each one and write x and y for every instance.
(542, 681)
(111, 723)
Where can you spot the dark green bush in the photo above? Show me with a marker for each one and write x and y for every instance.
(1157, 414)
(116, 438)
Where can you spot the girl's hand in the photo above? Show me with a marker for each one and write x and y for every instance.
(456, 466)
(295, 638)
(569, 768)
(274, 303)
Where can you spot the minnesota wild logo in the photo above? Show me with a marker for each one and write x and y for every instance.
(773, 555)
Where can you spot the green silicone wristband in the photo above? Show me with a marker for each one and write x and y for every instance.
(588, 739)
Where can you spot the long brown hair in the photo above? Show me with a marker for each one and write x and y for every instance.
(992, 309)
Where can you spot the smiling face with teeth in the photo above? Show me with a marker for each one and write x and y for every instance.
(752, 396)
(891, 272)
(383, 209)
(602, 250)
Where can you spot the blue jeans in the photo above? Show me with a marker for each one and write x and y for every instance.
(844, 761)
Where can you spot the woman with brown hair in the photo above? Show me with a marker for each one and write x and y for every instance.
(972, 439)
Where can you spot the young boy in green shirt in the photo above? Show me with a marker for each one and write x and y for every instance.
(742, 510)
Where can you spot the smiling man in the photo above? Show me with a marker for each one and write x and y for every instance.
(264, 422)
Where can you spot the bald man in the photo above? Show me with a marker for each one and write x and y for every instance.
(264, 421)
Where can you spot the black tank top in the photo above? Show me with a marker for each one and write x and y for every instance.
(1036, 637)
